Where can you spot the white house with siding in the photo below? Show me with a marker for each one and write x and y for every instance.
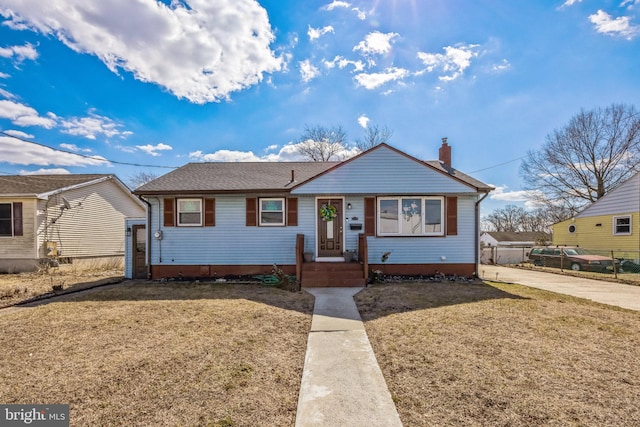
(71, 217)
(218, 219)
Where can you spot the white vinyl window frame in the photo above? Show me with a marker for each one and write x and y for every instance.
(622, 225)
(189, 212)
(405, 216)
(269, 213)
(8, 220)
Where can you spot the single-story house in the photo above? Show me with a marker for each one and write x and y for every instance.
(391, 212)
(610, 224)
(509, 247)
(69, 217)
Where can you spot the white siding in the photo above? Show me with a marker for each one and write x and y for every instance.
(383, 171)
(21, 247)
(94, 226)
(623, 199)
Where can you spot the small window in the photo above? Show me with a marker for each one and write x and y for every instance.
(272, 211)
(622, 225)
(189, 212)
(6, 220)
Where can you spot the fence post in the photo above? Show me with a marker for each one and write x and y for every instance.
(615, 270)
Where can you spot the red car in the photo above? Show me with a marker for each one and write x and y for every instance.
(571, 258)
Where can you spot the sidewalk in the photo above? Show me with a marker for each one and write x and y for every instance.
(342, 384)
(611, 293)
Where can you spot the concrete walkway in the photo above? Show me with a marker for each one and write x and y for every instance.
(611, 293)
(342, 384)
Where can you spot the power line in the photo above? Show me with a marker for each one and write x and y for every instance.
(499, 164)
(84, 155)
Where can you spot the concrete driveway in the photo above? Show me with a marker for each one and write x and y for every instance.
(618, 294)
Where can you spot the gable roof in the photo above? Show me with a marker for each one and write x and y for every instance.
(222, 177)
(509, 236)
(37, 185)
(234, 177)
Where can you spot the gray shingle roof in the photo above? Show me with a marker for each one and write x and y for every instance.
(459, 175)
(31, 185)
(230, 177)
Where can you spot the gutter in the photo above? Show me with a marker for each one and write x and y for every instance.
(477, 237)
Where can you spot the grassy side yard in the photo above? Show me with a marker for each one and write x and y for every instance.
(161, 354)
(494, 354)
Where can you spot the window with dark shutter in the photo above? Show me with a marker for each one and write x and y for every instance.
(369, 216)
(209, 212)
(251, 211)
(452, 216)
(292, 211)
(169, 212)
(17, 219)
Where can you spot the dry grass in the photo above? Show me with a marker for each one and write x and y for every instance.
(161, 354)
(15, 288)
(503, 355)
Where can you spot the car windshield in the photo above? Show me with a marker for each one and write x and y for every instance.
(574, 251)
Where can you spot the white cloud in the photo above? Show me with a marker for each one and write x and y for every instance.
(527, 196)
(18, 152)
(342, 62)
(374, 80)
(453, 62)
(376, 43)
(271, 148)
(4, 75)
(343, 4)
(308, 71)
(569, 3)
(6, 94)
(19, 53)
(202, 51)
(92, 126)
(19, 134)
(363, 121)
(75, 148)
(23, 115)
(621, 26)
(153, 149)
(502, 66)
(288, 153)
(316, 33)
(44, 171)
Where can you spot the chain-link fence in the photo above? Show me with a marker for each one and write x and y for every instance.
(625, 264)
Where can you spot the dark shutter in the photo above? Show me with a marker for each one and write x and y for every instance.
(452, 216)
(292, 211)
(209, 212)
(169, 212)
(370, 216)
(17, 219)
(252, 211)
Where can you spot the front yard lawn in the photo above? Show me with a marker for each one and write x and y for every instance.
(497, 355)
(161, 354)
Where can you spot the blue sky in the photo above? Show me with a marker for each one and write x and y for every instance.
(166, 83)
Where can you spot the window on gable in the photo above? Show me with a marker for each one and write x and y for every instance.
(622, 225)
(410, 216)
(6, 220)
(272, 211)
(189, 212)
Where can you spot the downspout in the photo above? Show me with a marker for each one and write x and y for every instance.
(148, 243)
(477, 238)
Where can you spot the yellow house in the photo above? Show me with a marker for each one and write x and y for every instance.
(609, 224)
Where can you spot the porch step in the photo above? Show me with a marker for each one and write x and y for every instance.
(332, 274)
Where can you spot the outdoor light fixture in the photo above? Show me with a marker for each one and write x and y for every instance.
(349, 206)
(128, 233)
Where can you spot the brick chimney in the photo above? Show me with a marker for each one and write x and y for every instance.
(444, 154)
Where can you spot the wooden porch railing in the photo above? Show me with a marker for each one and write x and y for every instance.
(299, 258)
(363, 254)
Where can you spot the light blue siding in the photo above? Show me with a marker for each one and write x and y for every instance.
(383, 171)
(231, 242)
(430, 250)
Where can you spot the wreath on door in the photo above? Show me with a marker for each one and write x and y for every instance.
(328, 212)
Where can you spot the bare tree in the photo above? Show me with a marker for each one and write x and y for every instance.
(140, 178)
(510, 218)
(321, 144)
(578, 164)
(373, 135)
(518, 219)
